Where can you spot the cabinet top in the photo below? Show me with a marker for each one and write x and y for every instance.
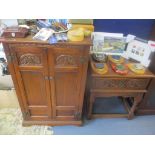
(28, 39)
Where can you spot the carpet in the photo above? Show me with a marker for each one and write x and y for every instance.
(8, 99)
(139, 125)
(6, 82)
(11, 124)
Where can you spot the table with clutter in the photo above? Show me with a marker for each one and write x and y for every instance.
(104, 80)
(118, 68)
(118, 64)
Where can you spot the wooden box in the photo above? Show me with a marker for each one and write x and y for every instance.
(15, 32)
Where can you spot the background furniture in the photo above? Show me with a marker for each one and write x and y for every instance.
(49, 79)
(147, 107)
(111, 84)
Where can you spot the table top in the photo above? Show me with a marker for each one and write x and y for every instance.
(112, 74)
(29, 39)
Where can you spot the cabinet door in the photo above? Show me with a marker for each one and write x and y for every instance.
(31, 70)
(68, 68)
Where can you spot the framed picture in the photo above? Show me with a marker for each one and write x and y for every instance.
(108, 43)
(140, 51)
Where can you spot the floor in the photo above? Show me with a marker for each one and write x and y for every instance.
(140, 125)
(5, 81)
(11, 124)
(8, 99)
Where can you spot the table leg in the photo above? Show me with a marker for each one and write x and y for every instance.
(137, 100)
(90, 106)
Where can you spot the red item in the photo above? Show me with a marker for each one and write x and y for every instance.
(15, 32)
(119, 69)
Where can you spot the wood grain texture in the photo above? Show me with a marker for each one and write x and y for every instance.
(29, 39)
(67, 72)
(33, 86)
(49, 79)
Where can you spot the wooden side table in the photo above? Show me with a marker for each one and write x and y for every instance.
(111, 84)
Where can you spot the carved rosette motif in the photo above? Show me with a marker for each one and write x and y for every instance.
(65, 60)
(29, 60)
(120, 84)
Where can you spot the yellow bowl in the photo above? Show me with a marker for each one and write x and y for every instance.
(87, 33)
(75, 35)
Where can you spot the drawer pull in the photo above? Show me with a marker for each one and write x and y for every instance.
(50, 78)
(46, 77)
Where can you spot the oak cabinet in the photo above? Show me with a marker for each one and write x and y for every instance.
(49, 80)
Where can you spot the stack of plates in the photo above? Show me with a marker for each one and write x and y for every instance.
(99, 68)
(116, 59)
(119, 68)
(136, 68)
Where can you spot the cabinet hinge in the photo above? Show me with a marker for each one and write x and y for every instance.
(26, 114)
(10, 58)
(77, 115)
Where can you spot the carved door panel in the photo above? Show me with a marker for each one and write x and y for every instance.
(31, 70)
(66, 69)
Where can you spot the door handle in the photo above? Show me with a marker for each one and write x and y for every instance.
(48, 78)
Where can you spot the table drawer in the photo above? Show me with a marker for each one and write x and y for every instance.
(121, 83)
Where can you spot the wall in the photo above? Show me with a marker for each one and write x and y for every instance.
(9, 22)
(139, 27)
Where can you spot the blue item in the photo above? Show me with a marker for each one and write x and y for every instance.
(116, 57)
(99, 65)
(64, 36)
(43, 24)
(63, 21)
(52, 40)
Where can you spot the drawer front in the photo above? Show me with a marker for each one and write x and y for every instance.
(109, 83)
